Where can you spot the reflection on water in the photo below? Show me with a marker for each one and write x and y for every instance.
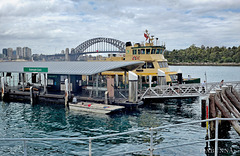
(20, 120)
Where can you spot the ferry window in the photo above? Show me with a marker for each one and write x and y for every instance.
(150, 65)
(161, 51)
(134, 52)
(160, 64)
(148, 51)
(165, 64)
(153, 51)
(143, 79)
(154, 79)
(144, 66)
(173, 77)
(142, 51)
(139, 52)
(158, 51)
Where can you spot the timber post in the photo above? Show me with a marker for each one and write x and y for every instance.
(3, 89)
(232, 98)
(44, 84)
(66, 92)
(133, 87)
(203, 114)
(212, 114)
(31, 96)
(228, 103)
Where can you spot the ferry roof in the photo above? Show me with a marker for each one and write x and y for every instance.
(70, 68)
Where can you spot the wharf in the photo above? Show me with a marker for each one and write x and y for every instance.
(21, 96)
(57, 82)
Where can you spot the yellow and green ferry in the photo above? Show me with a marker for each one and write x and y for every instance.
(153, 56)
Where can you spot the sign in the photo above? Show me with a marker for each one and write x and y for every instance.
(136, 58)
(35, 69)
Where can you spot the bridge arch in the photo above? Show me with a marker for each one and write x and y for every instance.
(85, 45)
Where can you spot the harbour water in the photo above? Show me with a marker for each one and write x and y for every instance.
(21, 120)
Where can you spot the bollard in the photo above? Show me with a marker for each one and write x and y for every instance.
(203, 114)
(150, 81)
(44, 84)
(133, 87)
(179, 77)
(31, 95)
(161, 78)
(2, 84)
(110, 89)
(66, 92)
(106, 97)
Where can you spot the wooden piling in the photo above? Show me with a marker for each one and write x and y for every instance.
(212, 114)
(235, 93)
(212, 106)
(203, 117)
(233, 99)
(31, 96)
(226, 114)
(3, 89)
(228, 103)
(66, 93)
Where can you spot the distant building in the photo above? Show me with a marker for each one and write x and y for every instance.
(19, 52)
(67, 54)
(4, 52)
(14, 54)
(9, 53)
(27, 52)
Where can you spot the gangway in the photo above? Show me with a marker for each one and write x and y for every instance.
(184, 90)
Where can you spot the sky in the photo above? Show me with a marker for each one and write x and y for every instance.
(49, 26)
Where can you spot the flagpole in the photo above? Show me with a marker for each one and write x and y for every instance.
(206, 79)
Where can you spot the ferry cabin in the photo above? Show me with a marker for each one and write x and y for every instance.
(153, 56)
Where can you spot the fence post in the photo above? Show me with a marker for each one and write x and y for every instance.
(216, 138)
(90, 146)
(151, 142)
(25, 147)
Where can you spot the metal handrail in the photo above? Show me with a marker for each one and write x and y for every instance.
(148, 130)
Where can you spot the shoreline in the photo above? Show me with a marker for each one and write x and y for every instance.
(203, 64)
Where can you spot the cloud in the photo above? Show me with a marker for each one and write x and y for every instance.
(48, 26)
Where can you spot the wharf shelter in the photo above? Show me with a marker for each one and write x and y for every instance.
(52, 74)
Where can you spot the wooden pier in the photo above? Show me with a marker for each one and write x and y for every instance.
(59, 82)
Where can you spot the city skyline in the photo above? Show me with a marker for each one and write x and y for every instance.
(17, 53)
(53, 25)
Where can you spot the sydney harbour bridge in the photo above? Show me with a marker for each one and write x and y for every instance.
(91, 46)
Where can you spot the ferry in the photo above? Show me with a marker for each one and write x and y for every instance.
(153, 56)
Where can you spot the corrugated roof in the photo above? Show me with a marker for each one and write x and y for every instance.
(71, 68)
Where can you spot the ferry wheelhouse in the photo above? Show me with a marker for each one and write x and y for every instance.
(153, 56)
